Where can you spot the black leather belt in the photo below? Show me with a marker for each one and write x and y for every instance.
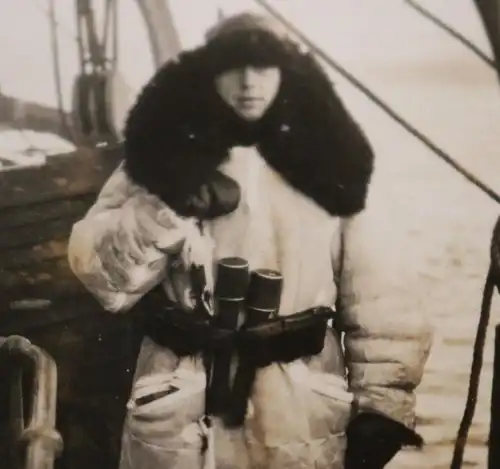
(191, 333)
(278, 340)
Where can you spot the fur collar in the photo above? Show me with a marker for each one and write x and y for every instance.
(179, 131)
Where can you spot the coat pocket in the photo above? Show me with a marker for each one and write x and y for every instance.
(329, 409)
(319, 453)
(330, 404)
(163, 426)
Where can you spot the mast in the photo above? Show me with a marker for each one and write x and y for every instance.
(102, 96)
(164, 43)
(164, 39)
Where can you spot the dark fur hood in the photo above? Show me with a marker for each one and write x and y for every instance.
(179, 131)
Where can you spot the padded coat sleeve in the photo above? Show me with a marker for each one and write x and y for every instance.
(119, 249)
(387, 337)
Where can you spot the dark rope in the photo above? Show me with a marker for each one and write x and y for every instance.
(475, 372)
(367, 92)
(453, 32)
(492, 281)
(495, 251)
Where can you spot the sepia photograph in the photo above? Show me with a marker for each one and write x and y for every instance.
(249, 234)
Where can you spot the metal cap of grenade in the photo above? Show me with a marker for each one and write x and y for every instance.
(264, 294)
(232, 278)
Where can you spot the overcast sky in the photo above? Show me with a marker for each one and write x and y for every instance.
(360, 33)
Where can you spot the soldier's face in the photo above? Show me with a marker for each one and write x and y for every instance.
(249, 90)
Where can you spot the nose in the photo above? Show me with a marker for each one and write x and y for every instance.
(248, 78)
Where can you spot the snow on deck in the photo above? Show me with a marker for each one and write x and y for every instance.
(26, 148)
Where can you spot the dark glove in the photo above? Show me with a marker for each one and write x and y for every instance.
(219, 196)
(374, 439)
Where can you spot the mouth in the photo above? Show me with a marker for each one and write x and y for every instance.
(248, 100)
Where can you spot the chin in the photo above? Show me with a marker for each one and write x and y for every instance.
(250, 115)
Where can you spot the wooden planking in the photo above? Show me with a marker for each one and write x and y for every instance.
(95, 357)
(27, 236)
(26, 256)
(22, 312)
(41, 299)
(42, 283)
(95, 350)
(50, 270)
(19, 216)
(42, 280)
(38, 208)
(64, 176)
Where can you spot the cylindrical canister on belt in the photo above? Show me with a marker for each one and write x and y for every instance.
(263, 296)
(262, 302)
(229, 298)
(230, 291)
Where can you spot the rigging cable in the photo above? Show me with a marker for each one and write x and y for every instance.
(79, 37)
(93, 49)
(493, 276)
(116, 38)
(453, 32)
(492, 279)
(66, 126)
(367, 92)
(110, 21)
(56, 26)
(86, 21)
(97, 47)
(62, 26)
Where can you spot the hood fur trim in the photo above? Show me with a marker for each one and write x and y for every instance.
(179, 131)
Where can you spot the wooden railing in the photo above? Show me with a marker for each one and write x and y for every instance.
(22, 114)
(32, 375)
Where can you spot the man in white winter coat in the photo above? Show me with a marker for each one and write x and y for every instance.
(241, 148)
